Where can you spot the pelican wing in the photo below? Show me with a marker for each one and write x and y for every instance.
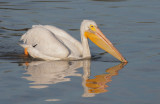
(68, 40)
(41, 41)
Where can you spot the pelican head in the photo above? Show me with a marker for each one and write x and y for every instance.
(90, 30)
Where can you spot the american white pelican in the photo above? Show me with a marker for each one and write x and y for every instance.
(51, 43)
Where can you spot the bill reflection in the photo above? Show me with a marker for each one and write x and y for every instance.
(99, 83)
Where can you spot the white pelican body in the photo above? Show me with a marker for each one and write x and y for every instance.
(51, 43)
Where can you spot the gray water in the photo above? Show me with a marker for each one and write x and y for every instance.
(131, 25)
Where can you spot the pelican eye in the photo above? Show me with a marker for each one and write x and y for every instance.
(92, 27)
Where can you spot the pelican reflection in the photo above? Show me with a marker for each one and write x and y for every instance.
(43, 73)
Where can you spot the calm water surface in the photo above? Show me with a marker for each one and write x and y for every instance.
(132, 25)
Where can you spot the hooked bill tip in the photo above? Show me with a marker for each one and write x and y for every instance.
(124, 60)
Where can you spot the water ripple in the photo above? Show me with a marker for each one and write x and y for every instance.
(146, 22)
(24, 29)
(50, 1)
(74, 29)
(110, 0)
(4, 2)
(14, 9)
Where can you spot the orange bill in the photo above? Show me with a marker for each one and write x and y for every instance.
(101, 41)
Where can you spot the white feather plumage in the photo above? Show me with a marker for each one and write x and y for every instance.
(51, 43)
